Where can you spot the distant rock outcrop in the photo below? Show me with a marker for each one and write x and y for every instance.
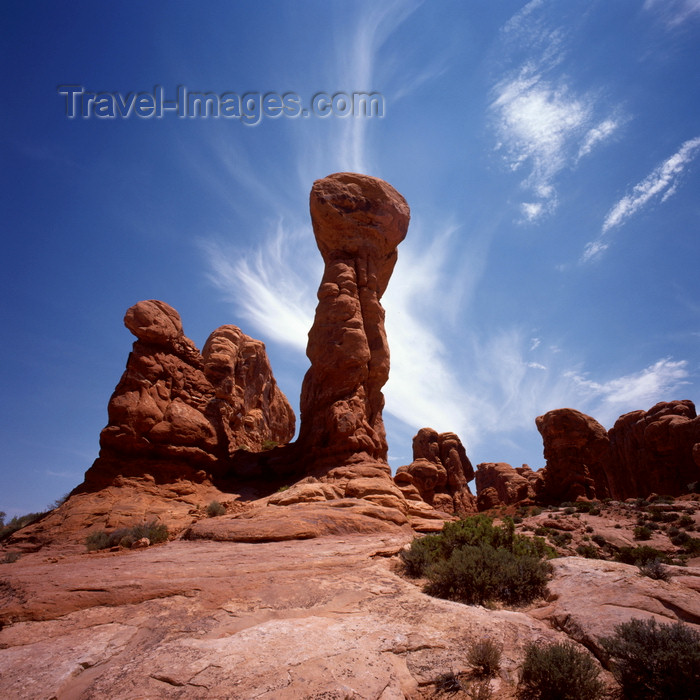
(655, 451)
(440, 472)
(358, 222)
(498, 484)
(577, 450)
(176, 412)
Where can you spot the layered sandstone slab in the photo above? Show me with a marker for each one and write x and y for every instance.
(358, 222)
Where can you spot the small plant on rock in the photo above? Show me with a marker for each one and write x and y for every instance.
(654, 569)
(448, 682)
(653, 661)
(215, 509)
(480, 690)
(559, 672)
(485, 658)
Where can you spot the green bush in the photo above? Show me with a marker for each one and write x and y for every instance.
(125, 537)
(17, 523)
(480, 690)
(476, 562)
(559, 672)
(588, 551)
(686, 522)
(482, 574)
(640, 555)
(215, 509)
(642, 532)
(485, 658)
(599, 540)
(654, 569)
(653, 661)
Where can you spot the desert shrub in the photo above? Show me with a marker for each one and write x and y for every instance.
(586, 506)
(680, 538)
(599, 540)
(588, 551)
(269, 444)
(480, 690)
(640, 555)
(485, 658)
(654, 569)
(560, 539)
(642, 532)
(422, 554)
(569, 511)
(214, 509)
(482, 574)
(448, 682)
(686, 522)
(559, 672)
(653, 661)
(589, 528)
(126, 536)
(474, 561)
(692, 546)
(693, 487)
(17, 523)
(10, 557)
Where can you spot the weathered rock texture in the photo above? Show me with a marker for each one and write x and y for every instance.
(498, 484)
(655, 451)
(577, 450)
(176, 411)
(321, 618)
(358, 222)
(440, 472)
(645, 452)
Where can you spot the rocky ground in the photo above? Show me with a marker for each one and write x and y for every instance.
(325, 617)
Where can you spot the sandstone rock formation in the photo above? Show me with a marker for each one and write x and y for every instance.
(498, 484)
(440, 472)
(655, 451)
(358, 222)
(176, 412)
(577, 450)
(645, 452)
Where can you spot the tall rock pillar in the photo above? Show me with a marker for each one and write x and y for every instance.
(358, 222)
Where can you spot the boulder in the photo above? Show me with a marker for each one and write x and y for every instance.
(577, 450)
(498, 484)
(439, 472)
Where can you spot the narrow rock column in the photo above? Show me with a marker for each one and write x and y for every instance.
(358, 222)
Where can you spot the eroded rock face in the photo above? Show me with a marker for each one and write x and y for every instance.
(655, 451)
(577, 450)
(358, 222)
(176, 412)
(440, 472)
(498, 484)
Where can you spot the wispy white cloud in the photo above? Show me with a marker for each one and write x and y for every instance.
(544, 126)
(674, 12)
(272, 286)
(598, 134)
(661, 183)
(607, 400)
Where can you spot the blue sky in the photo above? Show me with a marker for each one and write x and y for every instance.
(550, 153)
